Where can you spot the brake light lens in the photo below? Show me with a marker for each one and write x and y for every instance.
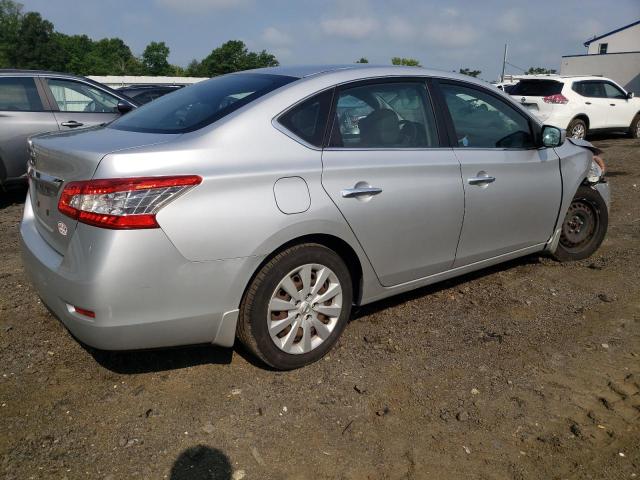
(122, 203)
(557, 98)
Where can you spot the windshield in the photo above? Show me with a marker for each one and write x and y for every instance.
(194, 107)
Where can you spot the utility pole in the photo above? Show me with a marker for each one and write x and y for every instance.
(504, 62)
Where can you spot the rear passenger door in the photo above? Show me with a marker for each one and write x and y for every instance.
(24, 111)
(80, 104)
(395, 182)
(596, 106)
(512, 188)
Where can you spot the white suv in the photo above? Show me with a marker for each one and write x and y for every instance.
(580, 104)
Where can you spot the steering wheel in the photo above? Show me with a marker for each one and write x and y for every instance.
(410, 132)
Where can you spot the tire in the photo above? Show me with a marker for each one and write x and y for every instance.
(584, 226)
(634, 129)
(301, 340)
(577, 129)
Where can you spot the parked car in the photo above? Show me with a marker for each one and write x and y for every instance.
(146, 93)
(580, 104)
(243, 205)
(506, 87)
(33, 102)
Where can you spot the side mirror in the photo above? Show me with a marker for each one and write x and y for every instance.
(629, 95)
(124, 107)
(553, 136)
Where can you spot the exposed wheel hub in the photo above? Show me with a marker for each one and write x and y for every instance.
(579, 225)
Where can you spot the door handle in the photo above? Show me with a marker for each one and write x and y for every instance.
(587, 103)
(612, 104)
(356, 192)
(71, 124)
(481, 180)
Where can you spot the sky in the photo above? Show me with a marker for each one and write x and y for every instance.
(445, 35)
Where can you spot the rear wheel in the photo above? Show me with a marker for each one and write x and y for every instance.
(577, 129)
(584, 226)
(634, 130)
(296, 307)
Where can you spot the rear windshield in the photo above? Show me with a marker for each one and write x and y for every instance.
(536, 88)
(194, 107)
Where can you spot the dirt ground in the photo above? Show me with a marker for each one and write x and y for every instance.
(527, 370)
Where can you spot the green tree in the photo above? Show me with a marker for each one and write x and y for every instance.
(76, 50)
(37, 46)
(111, 56)
(10, 19)
(469, 72)
(232, 56)
(362, 60)
(408, 62)
(155, 59)
(540, 71)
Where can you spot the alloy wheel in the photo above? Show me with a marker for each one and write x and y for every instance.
(578, 131)
(304, 308)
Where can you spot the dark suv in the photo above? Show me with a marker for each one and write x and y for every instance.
(34, 102)
(146, 93)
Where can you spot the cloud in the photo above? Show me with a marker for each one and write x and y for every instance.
(399, 29)
(510, 22)
(450, 12)
(275, 37)
(354, 28)
(453, 35)
(198, 6)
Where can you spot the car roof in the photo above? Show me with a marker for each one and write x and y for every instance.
(147, 86)
(359, 70)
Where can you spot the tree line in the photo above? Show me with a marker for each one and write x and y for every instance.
(31, 42)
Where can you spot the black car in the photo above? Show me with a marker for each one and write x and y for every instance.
(146, 93)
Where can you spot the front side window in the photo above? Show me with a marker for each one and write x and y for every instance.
(385, 115)
(481, 120)
(309, 119)
(611, 91)
(74, 96)
(201, 104)
(19, 94)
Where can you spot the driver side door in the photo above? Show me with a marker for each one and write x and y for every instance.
(512, 188)
(80, 105)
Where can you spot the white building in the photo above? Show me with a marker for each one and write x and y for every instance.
(621, 40)
(615, 55)
(115, 81)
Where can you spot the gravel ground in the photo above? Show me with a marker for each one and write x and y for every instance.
(527, 370)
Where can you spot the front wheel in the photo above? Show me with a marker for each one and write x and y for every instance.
(584, 226)
(296, 307)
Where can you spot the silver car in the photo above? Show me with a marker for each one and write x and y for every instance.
(33, 101)
(245, 206)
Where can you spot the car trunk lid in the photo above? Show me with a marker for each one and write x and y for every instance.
(59, 158)
(531, 94)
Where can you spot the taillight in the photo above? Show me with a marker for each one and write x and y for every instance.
(122, 203)
(557, 98)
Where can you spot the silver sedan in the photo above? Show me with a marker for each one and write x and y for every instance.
(264, 205)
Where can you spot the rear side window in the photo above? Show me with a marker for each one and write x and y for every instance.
(592, 89)
(537, 88)
(309, 119)
(384, 115)
(194, 107)
(19, 94)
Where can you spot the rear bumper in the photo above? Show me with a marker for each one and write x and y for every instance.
(143, 292)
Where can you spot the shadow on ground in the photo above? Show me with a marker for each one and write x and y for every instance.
(201, 463)
(13, 195)
(145, 361)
